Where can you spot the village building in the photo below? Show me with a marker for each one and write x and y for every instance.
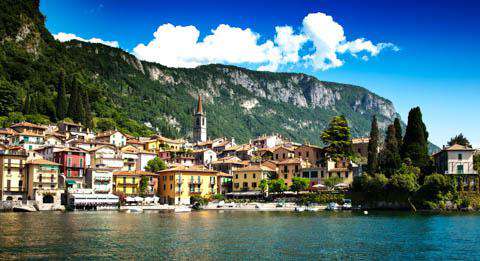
(455, 159)
(76, 131)
(205, 157)
(29, 128)
(143, 158)
(13, 172)
(72, 166)
(42, 183)
(360, 146)
(28, 139)
(159, 143)
(282, 153)
(290, 168)
(249, 178)
(105, 156)
(313, 154)
(200, 123)
(343, 169)
(99, 179)
(54, 139)
(228, 164)
(113, 137)
(178, 184)
(129, 182)
(129, 155)
(6, 136)
(269, 141)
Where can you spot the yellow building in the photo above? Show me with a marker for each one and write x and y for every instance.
(42, 181)
(248, 178)
(290, 168)
(128, 182)
(158, 143)
(177, 185)
(12, 173)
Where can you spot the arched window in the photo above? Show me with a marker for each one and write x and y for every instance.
(48, 199)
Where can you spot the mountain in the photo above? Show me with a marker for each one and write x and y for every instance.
(141, 97)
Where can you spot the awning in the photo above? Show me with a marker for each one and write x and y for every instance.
(71, 182)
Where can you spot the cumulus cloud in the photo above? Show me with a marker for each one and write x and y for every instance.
(64, 37)
(181, 46)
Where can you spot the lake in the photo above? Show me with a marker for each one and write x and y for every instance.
(239, 235)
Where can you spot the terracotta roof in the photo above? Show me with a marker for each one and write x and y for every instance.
(129, 148)
(42, 162)
(229, 160)
(28, 133)
(290, 161)
(29, 125)
(458, 147)
(71, 149)
(223, 174)
(165, 139)
(135, 141)
(101, 146)
(8, 131)
(282, 147)
(195, 168)
(106, 133)
(71, 123)
(308, 146)
(256, 167)
(133, 173)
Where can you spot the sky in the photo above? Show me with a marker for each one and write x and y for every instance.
(414, 53)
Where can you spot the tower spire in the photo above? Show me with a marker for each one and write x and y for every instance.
(199, 105)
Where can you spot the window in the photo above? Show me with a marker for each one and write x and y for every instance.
(314, 174)
(254, 184)
(460, 156)
(347, 174)
(305, 174)
(254, 175)
(285, 168)
(245, 175)
(171, 186)
(459, 169)
(245, 184)
(236, 176)
(321, 174)
(285, 176)
(40, 177)
(237, 185)
(69, 162)
(296, 168)
(307, 154)
(164, 186)
(81, 163)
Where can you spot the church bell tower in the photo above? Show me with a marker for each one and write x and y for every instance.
(200, 123)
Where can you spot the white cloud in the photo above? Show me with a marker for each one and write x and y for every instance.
(181, 46)
(64, 37)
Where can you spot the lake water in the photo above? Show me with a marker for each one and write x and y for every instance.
(239, 235)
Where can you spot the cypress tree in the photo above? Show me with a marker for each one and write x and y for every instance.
(415, 142)
(372, 164)
(73, 101)
(390, 156)
(398, 132)
(88, 111)
(61, 101)
(26, 105)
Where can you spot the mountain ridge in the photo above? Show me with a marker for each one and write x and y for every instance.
(140, 97)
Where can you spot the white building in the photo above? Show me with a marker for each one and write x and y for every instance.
(113, 137)
(456, 159)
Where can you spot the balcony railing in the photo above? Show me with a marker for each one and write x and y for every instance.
(195, 182)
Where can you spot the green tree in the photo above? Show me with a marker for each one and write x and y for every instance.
(415, 142)
(263, 186)
(372, 162)
(155, 165)
(104, 124)
(300, 184)
(434, 187)
(143, 186)
(277, 185)
(61, 101)
(332, 181)
(476, 162)
(390, 155)
(8, 97)
(337, 139)
(405, 180)
(398, 132)
(460, 140)
(88, 111)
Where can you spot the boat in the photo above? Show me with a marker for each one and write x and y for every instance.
(347, 204)
(299, 209)
(135, 210)
(24, 208)
(333, 206)
(312, 209)
(182, 209)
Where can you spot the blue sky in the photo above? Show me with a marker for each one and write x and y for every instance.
(436, 65)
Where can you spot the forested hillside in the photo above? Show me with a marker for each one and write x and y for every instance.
(43, 80)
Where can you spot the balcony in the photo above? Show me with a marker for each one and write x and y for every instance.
(102, 179)
(179, 181)
(195, 182)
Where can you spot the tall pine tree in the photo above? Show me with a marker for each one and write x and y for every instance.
(88, 111)
(76, 111)
(338, 139)
(415, 142)
(390, 159)
(61, 102)
(398, 132)
(372, 164)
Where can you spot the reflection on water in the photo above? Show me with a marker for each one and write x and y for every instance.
(238, 235)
